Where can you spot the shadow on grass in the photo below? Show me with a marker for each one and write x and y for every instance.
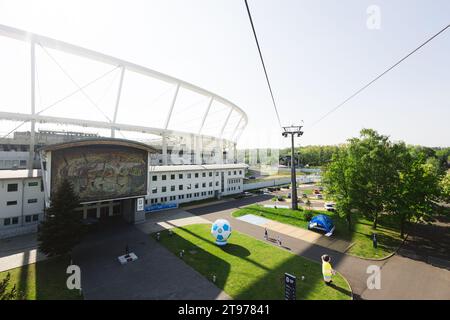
(250, 273)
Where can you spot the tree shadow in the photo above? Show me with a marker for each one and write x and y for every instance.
(340, 289)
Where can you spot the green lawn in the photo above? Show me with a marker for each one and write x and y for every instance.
(247, 268)
(388, 235)
(44, 280)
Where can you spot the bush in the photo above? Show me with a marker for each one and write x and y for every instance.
(308, 216)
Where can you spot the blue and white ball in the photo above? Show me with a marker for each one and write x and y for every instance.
(221, 231)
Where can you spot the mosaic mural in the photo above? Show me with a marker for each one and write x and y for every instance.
(101, 172)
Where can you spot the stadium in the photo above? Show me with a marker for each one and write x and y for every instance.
(130, 139)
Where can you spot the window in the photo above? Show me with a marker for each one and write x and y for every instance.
(172, 188)
(163, 189)
(12, 187)
(181, 196)
(172, 177)
(203, 185)
(172, 198)
(229, 173)
(163, 177)
(189, 175)
(234, 172)
(15, 220)
(33, 184)
(210, 174)
(23, 163)
(217, 174)
(210, 184)
(35, 217)
(180, 176)
(32, 200)
(196, 175)
(196, 186)
(240, 171)
(189, 186)
(217, 183)
(154, 190)
(203, 174)
(6, 221)
(154, 178)
(27, 218)
(11, 203)
(180, 187)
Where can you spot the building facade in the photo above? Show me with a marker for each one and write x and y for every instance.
(24, 194)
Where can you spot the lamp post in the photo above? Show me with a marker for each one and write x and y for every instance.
(293, 130)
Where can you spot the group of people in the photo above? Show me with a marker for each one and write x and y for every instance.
(327, 270)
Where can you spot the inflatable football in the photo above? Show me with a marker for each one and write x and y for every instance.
(221, 231)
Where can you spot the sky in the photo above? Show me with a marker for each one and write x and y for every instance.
(317, 53)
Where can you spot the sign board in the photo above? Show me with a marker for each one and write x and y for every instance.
(160, 206)
(290, 287)
(140, 204)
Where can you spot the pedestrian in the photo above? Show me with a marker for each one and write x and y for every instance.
(279, 241)
(266, 234)
(327, 269)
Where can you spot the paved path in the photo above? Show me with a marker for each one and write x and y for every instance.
(402, 278)
(298, 233)
(157, 274)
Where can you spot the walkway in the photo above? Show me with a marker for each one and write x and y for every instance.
(298, 233)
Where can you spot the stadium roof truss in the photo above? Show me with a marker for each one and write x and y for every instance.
(112, 124)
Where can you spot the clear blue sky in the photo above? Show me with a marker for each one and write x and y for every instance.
(317, 53)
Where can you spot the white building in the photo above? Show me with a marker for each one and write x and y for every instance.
(22, 193)
(21, 201)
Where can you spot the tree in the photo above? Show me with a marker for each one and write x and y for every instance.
(337, 180)
(415, 189)
(372, 173)
(444, 185)
(8, 294)
(62, 227)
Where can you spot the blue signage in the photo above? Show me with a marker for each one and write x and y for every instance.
(160, 206)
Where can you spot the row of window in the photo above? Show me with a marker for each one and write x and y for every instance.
(14, 202)
(230, 181)
(181, 187)
(14, 187)
(15, 220)
(189, 175)
(181, 197)
(233, 188)
(12, 163)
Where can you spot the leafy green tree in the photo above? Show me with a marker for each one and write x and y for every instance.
(416, 188)
(444, 185)
(337, 180)
(62, 228)
(373, 173)
(8, 294)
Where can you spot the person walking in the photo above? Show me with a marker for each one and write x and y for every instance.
(327, 269)
(266, 234)
(279, 241)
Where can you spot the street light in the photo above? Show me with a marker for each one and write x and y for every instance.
(293, 131)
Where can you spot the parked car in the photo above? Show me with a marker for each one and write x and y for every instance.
(252, 177)
(304, 195)
(316, 191)
(319, 196)
(329, 206)
(280, 198)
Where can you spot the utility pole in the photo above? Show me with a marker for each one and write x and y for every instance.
(293, 130)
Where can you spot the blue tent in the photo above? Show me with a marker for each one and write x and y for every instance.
(322, 222)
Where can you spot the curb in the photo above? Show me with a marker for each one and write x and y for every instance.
(383, 258)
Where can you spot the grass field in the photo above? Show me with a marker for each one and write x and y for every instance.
(247, 268)
(44, 280)
(387, 234)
